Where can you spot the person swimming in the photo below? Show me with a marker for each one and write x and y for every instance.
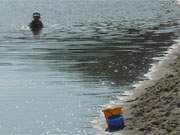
(36, 25)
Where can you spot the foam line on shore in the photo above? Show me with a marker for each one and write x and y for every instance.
(159, 74)
(157, 70)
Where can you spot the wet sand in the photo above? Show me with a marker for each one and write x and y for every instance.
(154, 107)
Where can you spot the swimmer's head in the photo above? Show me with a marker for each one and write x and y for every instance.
(36, 15)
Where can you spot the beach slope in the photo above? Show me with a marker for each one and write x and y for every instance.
(154, 107)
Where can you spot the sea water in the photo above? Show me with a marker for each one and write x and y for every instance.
(89, 53)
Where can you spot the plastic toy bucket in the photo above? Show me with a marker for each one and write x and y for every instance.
(113, 111)
(115, 123)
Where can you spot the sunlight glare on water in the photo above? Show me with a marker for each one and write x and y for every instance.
(89, 52)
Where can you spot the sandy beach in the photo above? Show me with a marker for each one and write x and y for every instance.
(154, 106)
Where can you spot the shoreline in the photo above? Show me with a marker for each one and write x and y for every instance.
(153, 108)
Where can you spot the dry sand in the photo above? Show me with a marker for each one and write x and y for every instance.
(154, 107)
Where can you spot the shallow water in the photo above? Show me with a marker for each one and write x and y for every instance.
(89, 53)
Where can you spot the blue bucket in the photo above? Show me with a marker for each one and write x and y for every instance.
(115, 123)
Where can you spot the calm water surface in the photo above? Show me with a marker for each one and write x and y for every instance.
(89, 52)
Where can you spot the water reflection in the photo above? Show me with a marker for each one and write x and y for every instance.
(88, 53)
(116, 54)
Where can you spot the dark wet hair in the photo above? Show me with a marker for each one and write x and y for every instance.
(36, 14)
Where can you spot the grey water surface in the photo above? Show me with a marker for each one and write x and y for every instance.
(89, 52)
